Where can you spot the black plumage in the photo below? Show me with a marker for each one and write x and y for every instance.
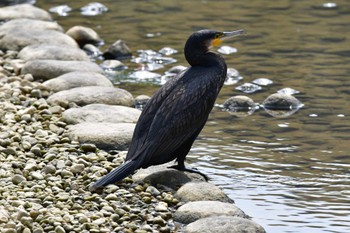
(176, 114)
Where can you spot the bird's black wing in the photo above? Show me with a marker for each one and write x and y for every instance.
(181, 114)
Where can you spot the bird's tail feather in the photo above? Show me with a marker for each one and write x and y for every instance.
(117, 174)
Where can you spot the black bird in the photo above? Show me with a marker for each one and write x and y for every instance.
(176, 114)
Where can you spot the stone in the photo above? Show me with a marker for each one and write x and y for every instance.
(141, 101)
(77, 79)
(52, 52)
(193, 211)
(84, 35)
(101, 113)
(18, 39)
(49, 69)
(30, 24)
(16, 179)
(239, 102)
(92, 94)
(281, 102)
(118, 50)
(23, 11)
(201, 191)
(109, 136)
(163, 175)
(224, 224)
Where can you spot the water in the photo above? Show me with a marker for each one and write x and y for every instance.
(290, 174)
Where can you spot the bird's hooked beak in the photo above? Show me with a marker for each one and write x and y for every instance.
(220, 37)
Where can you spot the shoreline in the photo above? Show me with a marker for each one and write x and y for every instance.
(48, 162)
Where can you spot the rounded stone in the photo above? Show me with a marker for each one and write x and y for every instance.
(239, 102)
(281, 102)
(17, 179)
(84, 35)
(118, 50)
(23, 11)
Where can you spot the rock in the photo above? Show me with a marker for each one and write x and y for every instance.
(141, 101)
(118, 50)
(52, 52)
(92, 94)
(112, 65)
(201, 191)
(29, 24)
(240, 106)
(77, 79)
(16, 179)
(101, 113)
(224, 224)
(281, 102)
(48, 69)
(23, 11)
(4, 216)
(193, 211)
(109, 136)
(163, 175)
(84, 35)
(18, 39)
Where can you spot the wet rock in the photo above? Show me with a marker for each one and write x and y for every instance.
(107, 136)
(52, 52)
(113, 65)
(84, 35)
(77, 79)
(281, 102)
(94, 8)
(92, 51)
(18, 39)
(224, 224)
(248, 88)
(29, 24)
(201, 191)
(163, 175)
(193, 211)
(240, 106)
(49, 69)
(91, 95)
(118, 50)
(101, 113)
(141, 101)
(23, 11)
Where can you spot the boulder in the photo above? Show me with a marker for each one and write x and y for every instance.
(29, 24)
(92, 95)
(101, 113)
(52, 52)
(193, 211)
(224, 224)
(201, 191)
(107, 136)
(165, 176)
(118, 50)
(23, 11)
(48, 69)
(77, 79)
(18, 39)
(84, 35)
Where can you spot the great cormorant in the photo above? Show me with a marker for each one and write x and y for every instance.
(176, 114)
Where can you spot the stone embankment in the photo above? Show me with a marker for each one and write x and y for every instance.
(64, 125)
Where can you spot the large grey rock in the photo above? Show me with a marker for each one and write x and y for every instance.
(101, 113)
(52, 52)
(18, 39)
(48, 69)
(108, 136)
(92, 95)
(118, 50)
(193, 211)
(23, 11)
(29, 24)
(224, 224)
(77, 79)
(163, 175)
(201, 191)
(84, 35)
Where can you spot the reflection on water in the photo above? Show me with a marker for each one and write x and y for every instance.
(290, 174)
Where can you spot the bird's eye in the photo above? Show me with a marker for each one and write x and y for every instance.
(218, 35)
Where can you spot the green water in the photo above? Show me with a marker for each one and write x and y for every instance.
(290, 174)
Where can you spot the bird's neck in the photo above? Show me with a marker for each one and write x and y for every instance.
(204, 59)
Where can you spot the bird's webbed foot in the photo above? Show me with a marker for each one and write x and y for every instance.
(191, 170)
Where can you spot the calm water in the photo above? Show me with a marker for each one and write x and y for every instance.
(290, 174)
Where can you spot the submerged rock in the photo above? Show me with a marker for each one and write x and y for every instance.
(84, 35)
(201, 191)
(49, 69)
(193, 211)
(92, 95)
(101, 113)
(281, 102)
(240, 106)
(118, 50)
(77, 79)
(52, 52)
(224, 224)
(108, 136)
(23, 11)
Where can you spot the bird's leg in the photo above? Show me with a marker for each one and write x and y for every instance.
(181, 167)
